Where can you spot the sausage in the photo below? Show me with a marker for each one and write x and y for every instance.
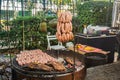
(70, 25)
(69, 16)
(66, 27)
(63, 17)
(71, 35)
(58, 26)
(67, 36)
(63, 37)
(66, 18)
(60, 38)
(63, 28)
(60, 18)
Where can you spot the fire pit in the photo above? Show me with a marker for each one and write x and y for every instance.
(77, 72)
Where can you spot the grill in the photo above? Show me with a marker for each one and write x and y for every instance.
(44, 74)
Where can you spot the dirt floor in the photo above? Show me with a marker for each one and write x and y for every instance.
(104, 72)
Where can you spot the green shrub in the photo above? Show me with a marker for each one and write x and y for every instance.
(95, 13)
(34, 38)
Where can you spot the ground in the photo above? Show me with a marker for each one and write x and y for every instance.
(104, 72)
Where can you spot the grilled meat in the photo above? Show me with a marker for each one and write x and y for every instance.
(35, 56)
(39, 66)
(45, 67)
(32, 65)
(57, 65)
(68, 60)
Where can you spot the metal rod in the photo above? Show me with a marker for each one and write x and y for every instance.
(108, 11)
(23, 35)
(0, 10)
(22, 8)
(74, 41)
(8, 36)
(44, 5)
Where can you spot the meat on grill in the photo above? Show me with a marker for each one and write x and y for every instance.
(45, 67)
(31, 65)
(68, 60)
(39, 66)
(35, 56)
(57, 65)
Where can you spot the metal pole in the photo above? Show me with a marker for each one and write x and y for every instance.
(0, 10)
(108, 11)
(7, 18)
(23, 35)
(44, 5)
(22, 8)
(109, 7)
(73, 78)
(8, 34)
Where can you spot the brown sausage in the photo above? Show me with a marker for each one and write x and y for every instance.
(69, 15)
(67, 35)
(63, 28)
(66, 27)
(60, 38)
(60, 18)
(58, 26)
(63, 18)
(57, 35)
(71, 36)
(70, 25)
(63, 37)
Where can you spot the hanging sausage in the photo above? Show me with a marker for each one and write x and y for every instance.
(64, 27)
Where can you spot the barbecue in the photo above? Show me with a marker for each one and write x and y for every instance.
(45, 65)
(37, 59)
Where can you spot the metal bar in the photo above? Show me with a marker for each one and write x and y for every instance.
(73, 76)
(108, 11)
(23, 35)
(44, 5)
(22, 8)
(0, 10)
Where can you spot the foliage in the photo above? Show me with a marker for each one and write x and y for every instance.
(45, 17)
(34, 38)
(76, 25)
(62, 1)
(95, 13)
(29, 5)
(53, 23)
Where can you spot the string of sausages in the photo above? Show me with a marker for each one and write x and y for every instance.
(64, 27)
